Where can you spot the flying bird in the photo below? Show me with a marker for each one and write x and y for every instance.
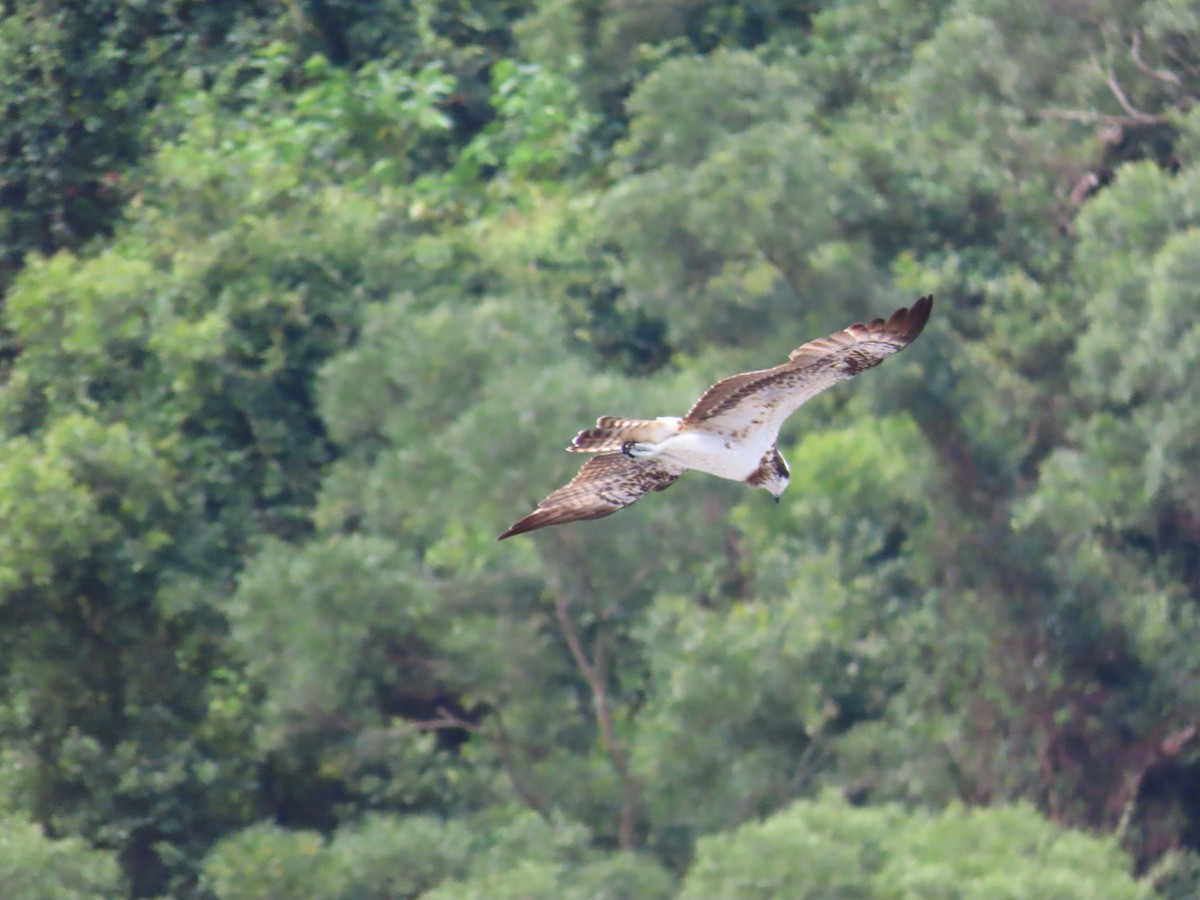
(730, 432)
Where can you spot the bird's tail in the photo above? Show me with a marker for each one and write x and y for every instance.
(611, 433)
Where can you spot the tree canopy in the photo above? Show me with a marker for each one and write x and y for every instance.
(301, 303)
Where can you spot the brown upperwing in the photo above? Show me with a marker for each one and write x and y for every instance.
(810, 369)
(606, 483)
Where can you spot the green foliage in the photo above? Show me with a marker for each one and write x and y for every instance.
(493, 856)
(401, 858)
(359, 587)
(620, 44)
(743, 154)
(35, 867)
(264, 861)
(855, 50)
(90, 87)
(528, 880)
(69, 130)
(827, 848)
(809, 850)
(1003, 852)
(749, 697)
(335, 696)
(539, 129)
(527, 857)
(375, 123)
(159, 418)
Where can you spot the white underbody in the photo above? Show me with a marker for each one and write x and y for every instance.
(708, 451)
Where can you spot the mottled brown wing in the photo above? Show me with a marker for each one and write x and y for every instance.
(767, 397)
(606, 483)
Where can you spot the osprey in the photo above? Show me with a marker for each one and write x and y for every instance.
(730, 432)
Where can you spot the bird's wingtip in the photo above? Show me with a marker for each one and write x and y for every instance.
(916, 316)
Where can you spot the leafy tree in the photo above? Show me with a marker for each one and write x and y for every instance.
(809, 850)
(826, 847)
(400, 857)
(1123, 478)
(1002, 852)
(162, 403)
(752, 697)
(90, 88)
(262, 862)
(79, 82)
(498, 854)
(33, 866)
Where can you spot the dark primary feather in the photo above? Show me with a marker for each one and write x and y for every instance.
(606, 483)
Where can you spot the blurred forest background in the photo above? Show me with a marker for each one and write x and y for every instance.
(301, 302)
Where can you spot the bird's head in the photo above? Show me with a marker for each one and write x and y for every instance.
(773, 475)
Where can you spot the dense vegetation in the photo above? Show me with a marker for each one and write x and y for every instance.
(301, 302)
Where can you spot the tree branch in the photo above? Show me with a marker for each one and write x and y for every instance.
(448, 720)
(595, 673)
(1096, 118)
(1107, 72)
(1114, 87)
(1164, 75)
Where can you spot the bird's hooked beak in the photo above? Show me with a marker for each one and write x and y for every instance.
(777, 497)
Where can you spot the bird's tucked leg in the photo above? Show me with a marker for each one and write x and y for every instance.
(641, 449)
